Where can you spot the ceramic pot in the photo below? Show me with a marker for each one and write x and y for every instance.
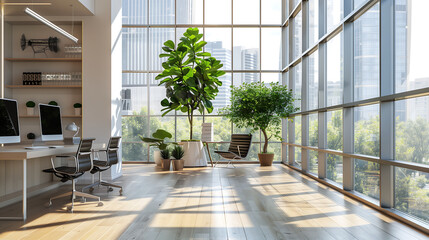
(266, 159)
(78, 111)
(157, 158)
(178, 165)
(166, 164)
(30, 111)
(195, 155)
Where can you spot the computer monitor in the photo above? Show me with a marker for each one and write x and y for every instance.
(9, 121)
(50, 122)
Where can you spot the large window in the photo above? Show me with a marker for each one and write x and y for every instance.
(253, 45)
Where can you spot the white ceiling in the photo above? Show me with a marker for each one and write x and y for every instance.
(57, 8)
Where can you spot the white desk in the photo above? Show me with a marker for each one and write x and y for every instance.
(19, 153)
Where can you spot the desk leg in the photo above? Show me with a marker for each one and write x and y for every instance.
(24, 189)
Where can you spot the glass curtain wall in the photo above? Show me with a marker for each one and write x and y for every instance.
(340, 60)
(244, 35)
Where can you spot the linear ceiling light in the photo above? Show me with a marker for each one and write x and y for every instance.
(50, 24)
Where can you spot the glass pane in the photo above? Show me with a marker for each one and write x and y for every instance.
(133, 126)
(367, 130)
(367, 178)
(297, 35)
(156, 95)
(246, 49)
(411, 45)
(335, 70)
(313, 163)
(297, 78)
(294, 3)
(224, 95)
(271, 77)
(134, 151)
(313, 22)
(246, 11)
(189, 12)
(180, 32)
(298, 139)
(334, 13)
(412, 130)
(335, 130)
(134, 12)
(217, 11)
(161, 12)
(357, 3)
(239, 78)
(334, 169)
(313, 80)
(412, 192)
(157, 37)
(271, 11)
(221, 128)
(183, 129)
(134, 49)
(275, 148)
(285, 44)
(313, 131)
(134, 94)
(219, 45)
(166, 123)
(271, 48)
(366, 55)
(256, 136)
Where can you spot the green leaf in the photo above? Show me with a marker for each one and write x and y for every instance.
(165, 102)
(203, 54)
(169, 44)
(161, 134)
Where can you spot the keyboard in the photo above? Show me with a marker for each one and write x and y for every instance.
(37, 147)
(59, 146)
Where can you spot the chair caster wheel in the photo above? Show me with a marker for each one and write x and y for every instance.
(70, 209)
(48, 204)
(91, 190)
(110, 189)
(83, 200)
(120, 192)
(100, 204)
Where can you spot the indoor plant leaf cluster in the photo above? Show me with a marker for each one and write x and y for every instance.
(158, 139)
(259, 106)
(190, 76)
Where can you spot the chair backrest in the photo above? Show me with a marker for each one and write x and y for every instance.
(112, 151)
(83, 155)
(240, 144)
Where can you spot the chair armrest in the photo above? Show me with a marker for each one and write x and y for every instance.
(222, 151)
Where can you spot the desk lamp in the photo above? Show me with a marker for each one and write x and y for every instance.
(74, 128)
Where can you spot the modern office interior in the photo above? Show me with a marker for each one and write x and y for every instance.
(214, 119)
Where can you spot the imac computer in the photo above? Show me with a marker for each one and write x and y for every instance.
(50, 122)
(9, 121)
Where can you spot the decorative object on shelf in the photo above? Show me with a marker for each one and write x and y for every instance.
(166, 161)
(50, 24)
(31, 78)
(74, 128)
(178, 161)
(190, 76)
(30, 107)
(31, 136)
(66, 78)
(53, 103)
(158, 140)
(261, 107)
(73, 50)
(40, 45)
(77, 109)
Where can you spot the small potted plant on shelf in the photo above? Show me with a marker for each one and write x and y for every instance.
(158, 140)
(166, 161)
(77, 109)
(259, 106)
(53, 103)
(177, 154)
(30, 107)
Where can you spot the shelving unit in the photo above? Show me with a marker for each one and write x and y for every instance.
(43, 86)
(63, 116)
(43, 59)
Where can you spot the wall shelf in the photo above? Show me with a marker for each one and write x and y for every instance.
(43, 59)
(43, 86)
(63, 116)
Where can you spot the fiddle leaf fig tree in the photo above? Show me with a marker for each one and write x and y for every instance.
(258, 106)
(190, 76)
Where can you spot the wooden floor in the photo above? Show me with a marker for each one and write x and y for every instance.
(248, 202)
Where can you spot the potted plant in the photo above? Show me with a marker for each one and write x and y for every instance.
(53, 103)
(261, 107)
(30, 107)
(77, 109)
(158, 140)
(178, 154)
(190, 77)
(166, 155)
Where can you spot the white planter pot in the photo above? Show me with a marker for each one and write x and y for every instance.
(30, 111)
(78, 111)
(195, 154)
(157, 158)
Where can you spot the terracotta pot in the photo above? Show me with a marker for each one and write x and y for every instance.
(266, 159)
(178, 165)
(166, 164)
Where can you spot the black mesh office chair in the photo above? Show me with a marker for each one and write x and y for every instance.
(83, 163)
(238, 148)
(112, 158)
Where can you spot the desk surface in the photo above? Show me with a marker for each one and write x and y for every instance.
(18, 152)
